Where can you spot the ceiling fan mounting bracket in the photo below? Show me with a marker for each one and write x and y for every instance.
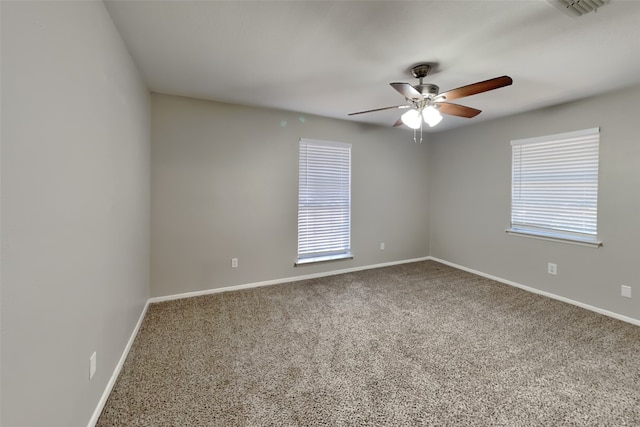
(420, 71)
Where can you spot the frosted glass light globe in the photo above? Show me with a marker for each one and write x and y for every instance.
(431, 116)
(412, 119)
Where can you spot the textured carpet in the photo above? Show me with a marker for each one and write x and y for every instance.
(414, 344)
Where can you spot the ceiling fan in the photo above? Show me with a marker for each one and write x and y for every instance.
(426, 103)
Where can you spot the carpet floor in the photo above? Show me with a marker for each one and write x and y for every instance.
(413, 344)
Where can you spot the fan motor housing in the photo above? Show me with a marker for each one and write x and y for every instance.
(428, 89)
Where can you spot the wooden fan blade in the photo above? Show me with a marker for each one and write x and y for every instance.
(378, 109)
(407, 90)
(475, 88)
(457, 110)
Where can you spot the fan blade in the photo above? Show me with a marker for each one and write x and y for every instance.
(475, 88)
(378, 109)
(407, 90)
(398, 123)
(457, 110)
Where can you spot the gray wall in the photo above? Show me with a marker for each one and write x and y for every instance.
(470, 179)
(224, 185)
(75, 208)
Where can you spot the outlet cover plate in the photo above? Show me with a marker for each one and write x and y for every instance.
(625, 291)
(92, 365)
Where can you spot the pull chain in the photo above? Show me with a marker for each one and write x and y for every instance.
(415, 138)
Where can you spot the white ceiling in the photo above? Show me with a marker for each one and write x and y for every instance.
(335, 57)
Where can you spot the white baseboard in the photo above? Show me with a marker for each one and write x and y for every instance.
(116, 371)
(278, 281)
(538, 291)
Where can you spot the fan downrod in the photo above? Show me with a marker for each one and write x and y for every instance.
(420, 71)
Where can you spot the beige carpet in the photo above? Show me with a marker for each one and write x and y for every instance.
(414, 344)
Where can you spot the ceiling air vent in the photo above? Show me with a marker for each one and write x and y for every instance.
(577, 7)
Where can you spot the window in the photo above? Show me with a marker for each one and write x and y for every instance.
(324, 201)
(554, 187)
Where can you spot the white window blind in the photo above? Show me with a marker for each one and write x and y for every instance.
(324, 201)
(554, 189)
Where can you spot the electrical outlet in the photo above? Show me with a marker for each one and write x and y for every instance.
(92, 365)
(382, 246)
(552, 268)
(625, 291)
(234, 262)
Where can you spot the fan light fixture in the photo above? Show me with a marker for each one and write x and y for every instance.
(413, 117)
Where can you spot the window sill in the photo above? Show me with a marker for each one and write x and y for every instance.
(322, 258)
(556, 237)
